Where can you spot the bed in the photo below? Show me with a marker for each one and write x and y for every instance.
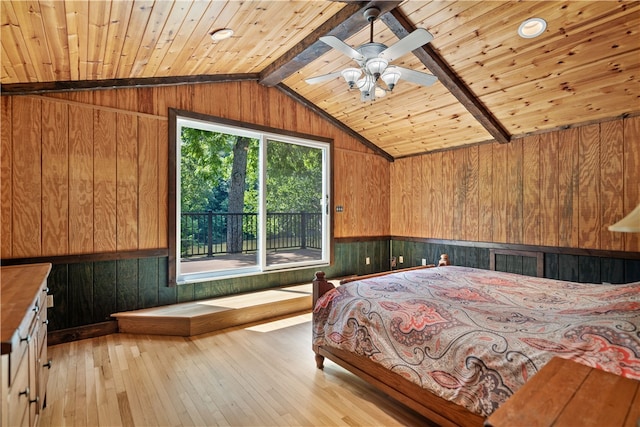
(453, 343)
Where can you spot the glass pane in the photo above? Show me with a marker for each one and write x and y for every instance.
(293, 203)
(218, 201)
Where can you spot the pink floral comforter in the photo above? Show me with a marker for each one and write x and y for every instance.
(475, 336)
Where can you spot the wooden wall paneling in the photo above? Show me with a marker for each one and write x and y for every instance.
(612, 271)
(631, 270)
(568, 188)
(589, 269)
(6, 167)
(485, 192)
(514, 264)
(58, 283)
(166, 294)
(26, 179)
(437, 210)
(551, 267)
(448, 185)
(611, 186)
(127, 285)
(568, 267)
(531, 189)
(426, 224)
(127, 99)
(55, 178)
(377, 177)
(589, 187)
(471, 197)
(163, 183)
(404, 206)
(499, 193)
(458, 194)
(80, 294)
(104, 290)
(549, 189)
(514, 191)
(631, 176)
(148, 183)
(105, 180)
(345, 195)
(145, 100)
(416, 188)
(127, 182)
(148, 282)
(80, 179)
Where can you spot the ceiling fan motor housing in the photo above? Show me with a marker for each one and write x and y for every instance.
(371, 14)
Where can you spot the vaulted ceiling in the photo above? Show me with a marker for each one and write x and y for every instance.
(492, 84)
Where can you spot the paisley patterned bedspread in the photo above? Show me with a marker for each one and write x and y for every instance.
(475, 336)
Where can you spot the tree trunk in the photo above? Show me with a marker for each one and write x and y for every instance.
(236, 195)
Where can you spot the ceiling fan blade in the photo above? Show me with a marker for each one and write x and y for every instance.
(323, 78)
(338, 44)
(417, 77)
(411, 42)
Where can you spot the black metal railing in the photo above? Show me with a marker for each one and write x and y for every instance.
(208, 233)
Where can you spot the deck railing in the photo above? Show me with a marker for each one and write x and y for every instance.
(205, 233)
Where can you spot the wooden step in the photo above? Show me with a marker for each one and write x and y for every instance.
(199, 317)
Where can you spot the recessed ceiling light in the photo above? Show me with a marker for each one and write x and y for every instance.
(532, 27)
(222, 34)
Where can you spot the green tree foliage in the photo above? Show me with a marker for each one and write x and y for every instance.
(294, 174)
(205, 171)
(294, 178)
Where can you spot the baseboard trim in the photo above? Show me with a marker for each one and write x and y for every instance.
(82, 332)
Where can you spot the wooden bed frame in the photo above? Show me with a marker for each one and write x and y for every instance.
(424, 402)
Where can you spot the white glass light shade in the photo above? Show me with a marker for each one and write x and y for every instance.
(380, 92)
(391, 77)
(351, 75)
(366, 84)
(628, 224)
(376, 66)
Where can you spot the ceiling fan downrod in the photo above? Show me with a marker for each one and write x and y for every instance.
(371, 15)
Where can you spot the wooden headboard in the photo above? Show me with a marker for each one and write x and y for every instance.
(539, 256)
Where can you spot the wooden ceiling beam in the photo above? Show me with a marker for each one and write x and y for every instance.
(349, 21)
(401, 27)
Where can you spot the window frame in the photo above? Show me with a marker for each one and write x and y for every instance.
(265, 133)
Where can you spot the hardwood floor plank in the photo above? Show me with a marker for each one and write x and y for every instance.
(263, 375)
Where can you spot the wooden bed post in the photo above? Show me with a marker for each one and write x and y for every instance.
(320, 287)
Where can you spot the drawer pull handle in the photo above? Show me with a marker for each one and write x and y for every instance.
(36, 400)
(46, 290)
(27, 339)
(48, 364)
(45, 321)
(36, 309)
(25, 392)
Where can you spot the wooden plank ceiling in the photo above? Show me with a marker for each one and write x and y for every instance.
(492, 84)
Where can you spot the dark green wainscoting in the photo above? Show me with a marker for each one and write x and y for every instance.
(557, 265)
(87, 293)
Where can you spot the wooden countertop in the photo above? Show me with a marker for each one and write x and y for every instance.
(19, 286)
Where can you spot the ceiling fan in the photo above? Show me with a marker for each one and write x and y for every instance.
(374, 61)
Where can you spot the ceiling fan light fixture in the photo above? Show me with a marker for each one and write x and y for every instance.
(351, 75)
(377, 66)
(391, 77)
(366, 84)
(532, 27)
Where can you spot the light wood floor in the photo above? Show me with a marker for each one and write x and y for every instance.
(263, 375)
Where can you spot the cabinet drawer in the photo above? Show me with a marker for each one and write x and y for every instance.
(18, 398)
